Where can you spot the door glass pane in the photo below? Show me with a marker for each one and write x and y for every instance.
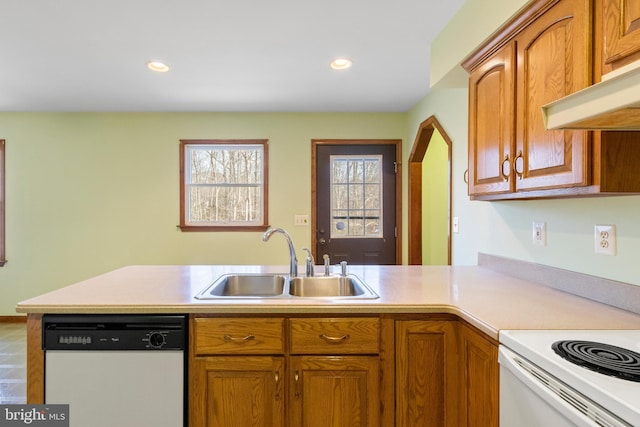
(356, 196)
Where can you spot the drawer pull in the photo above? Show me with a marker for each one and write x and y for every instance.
(229, 338)
(334, 340)
(296, 378)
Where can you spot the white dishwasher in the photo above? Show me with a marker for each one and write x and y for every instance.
(117, 370)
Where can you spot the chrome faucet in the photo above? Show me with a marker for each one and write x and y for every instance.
(309, 262)
(293, 261)
(327, 265)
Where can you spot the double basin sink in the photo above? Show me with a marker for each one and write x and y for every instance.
(282, 286)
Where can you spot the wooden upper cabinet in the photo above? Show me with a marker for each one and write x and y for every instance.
(554, 61)
(492, 123)
(621, 19)
(544, 53)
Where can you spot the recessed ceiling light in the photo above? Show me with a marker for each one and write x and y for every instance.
(158, 66)
(341, 63)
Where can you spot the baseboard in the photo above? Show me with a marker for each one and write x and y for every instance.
(13, 319)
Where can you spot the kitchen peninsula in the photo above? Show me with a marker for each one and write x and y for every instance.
(436, 320)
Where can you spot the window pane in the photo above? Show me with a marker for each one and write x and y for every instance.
(339, 169)
(223, 183)
(339, 198)
(224, 204)
(372, 172)
(356, 194)
(226, 164)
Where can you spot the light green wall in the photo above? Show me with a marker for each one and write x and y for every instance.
(434, 202)
(476, 20)
(88, 192)
(505, 228)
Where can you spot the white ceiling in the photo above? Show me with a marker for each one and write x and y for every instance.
(225, 55)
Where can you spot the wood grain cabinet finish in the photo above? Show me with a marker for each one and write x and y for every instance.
(237, 372)
(551, 49)
(480, 382)
(621, 20)
(238, 336)
(237, 391)
(492, 123)
(542, 55)
(242, 374)
(334, 391)
(335, 335)
(397, 371)
(427, 373)
(554, 61)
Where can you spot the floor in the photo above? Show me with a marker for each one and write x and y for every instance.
(13, 363)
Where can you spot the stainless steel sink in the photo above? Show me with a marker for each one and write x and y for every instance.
(245, 286)
(330, 287)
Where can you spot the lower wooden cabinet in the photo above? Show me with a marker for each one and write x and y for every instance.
(237, 391)
(242, 374)
(427, 380)
(334, 391)
(341, 372)
(480, 389)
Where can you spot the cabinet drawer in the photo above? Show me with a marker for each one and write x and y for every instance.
(358, 335)
(238, 336)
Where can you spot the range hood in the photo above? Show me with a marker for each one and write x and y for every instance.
(612, 104)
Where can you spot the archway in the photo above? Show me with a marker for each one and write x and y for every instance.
(418, 152)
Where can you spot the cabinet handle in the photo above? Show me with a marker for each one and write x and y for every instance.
(277, 377)
(229, 338)
(465, 177)
(519, 160)
(334, 340)
(504, 163)
(296, 378)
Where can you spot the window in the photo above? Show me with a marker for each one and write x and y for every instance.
(3, 258)
(356, 196)
(223, 185)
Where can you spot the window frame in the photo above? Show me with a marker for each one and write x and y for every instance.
(183, 185)
(3, 257)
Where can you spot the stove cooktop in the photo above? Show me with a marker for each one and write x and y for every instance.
(620, 396)
(603, 358)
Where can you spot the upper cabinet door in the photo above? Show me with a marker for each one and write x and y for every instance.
(621, 31)
(492, 123)
(554, 57)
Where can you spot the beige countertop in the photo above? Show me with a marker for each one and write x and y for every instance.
(489, 300)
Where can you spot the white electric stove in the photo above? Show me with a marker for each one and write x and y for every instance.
(543, 386)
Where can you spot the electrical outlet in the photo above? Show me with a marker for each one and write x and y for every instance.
(605, 239)
(539, 236)
(301, 220)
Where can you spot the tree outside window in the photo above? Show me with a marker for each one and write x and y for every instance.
(223, 185)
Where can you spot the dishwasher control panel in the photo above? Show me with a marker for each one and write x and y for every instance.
(114, 332)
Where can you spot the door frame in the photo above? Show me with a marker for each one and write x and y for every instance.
(418, 151)
(398, 144)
